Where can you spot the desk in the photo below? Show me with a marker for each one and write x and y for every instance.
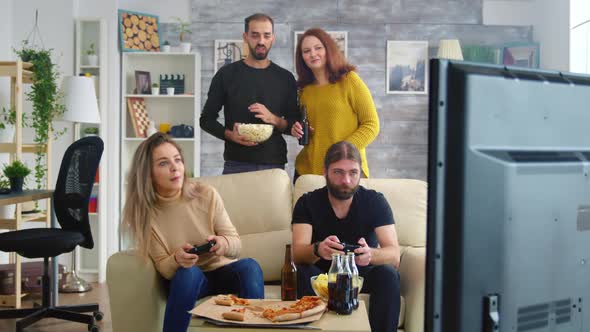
(13, 224)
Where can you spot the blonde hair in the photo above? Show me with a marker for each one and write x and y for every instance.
(140, 203)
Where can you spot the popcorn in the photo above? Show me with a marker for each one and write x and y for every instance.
(255, 132)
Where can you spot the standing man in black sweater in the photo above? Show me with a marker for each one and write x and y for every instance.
(253, 90)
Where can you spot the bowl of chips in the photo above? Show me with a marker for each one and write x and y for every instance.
(319, 284)
(255, 132)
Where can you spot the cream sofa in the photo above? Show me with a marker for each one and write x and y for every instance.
(260, 204)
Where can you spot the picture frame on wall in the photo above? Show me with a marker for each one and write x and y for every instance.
(407, 67)
(228, 51)
(138, 32)
(340, 37)
(521, 55)
(143, 82)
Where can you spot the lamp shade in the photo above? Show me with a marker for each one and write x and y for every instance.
(80, 100)
(449, 49)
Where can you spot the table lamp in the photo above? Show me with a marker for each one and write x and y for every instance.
(449, 49)
(81, 106)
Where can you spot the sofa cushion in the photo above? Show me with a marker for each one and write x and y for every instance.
(407, 198)
(259, 206)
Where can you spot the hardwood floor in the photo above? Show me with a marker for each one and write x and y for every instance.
(99, 294)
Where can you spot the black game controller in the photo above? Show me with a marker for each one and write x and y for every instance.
(202, 249)
(350, 247)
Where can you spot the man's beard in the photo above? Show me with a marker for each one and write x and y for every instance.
(339, 193)
(256, 55)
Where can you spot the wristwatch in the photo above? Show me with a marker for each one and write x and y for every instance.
(316, 247)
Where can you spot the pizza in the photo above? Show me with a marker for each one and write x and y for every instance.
(305, 307)
(235, 314)
(229, 300)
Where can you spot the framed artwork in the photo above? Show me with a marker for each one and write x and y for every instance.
(138, 32)
(228, 51)
(143, 82)
(407, 67)
(482, 54)
(138, 114)
(340, 37)
(521, 55)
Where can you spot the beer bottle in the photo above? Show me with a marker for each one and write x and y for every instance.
(289, 277)
(335, 268)
(304, 140)
(355, 279)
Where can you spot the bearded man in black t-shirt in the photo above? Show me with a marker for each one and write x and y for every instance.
(344, 211)
(252, 90)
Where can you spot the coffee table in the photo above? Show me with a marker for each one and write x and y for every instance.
(358, 321)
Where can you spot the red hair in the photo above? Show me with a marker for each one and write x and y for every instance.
(336, 64)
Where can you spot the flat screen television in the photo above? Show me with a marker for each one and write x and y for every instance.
(509, 200)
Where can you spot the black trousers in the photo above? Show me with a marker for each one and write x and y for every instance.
(382, 282)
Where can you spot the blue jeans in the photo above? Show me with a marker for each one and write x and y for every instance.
(382, 282)
(232, 167)
(243, 277)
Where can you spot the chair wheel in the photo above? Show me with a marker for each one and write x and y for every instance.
(92, 328)
(98, 315)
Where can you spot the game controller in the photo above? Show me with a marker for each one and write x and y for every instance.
(202, 249)
(350, 247)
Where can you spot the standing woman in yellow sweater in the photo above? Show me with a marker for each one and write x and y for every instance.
(339, 104)
(167, 215)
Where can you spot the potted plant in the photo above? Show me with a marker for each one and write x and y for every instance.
(184, 30)
(46, 101)
(91, 56)
(155, 89)
(166, 47)
(16, 173)
(91, 131)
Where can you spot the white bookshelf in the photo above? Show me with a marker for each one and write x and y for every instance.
(91, 263)
(175, 110)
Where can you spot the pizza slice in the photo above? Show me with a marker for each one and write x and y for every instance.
(235, 314)
(305, 307)
(229, 300)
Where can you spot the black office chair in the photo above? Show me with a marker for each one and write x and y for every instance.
(70, 203)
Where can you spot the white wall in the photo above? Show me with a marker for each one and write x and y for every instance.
(550, 20)
(551, 29)
(579, 12)
(580, 36)
(165, 10)
(502, 12)
(5, 52)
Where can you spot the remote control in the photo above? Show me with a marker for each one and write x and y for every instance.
(202, 249)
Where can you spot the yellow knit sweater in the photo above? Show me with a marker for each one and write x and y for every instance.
(342, 111)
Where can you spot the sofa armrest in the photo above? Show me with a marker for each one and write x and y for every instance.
(136, 293)
(412, 270)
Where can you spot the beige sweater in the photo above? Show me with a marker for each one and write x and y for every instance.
(190, 218)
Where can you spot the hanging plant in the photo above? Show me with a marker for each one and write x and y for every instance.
(45, 97)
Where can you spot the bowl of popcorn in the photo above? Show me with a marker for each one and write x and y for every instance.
(255, 132)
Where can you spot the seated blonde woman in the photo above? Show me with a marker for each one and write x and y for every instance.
(166, 214)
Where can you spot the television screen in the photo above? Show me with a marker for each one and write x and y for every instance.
(509, 199)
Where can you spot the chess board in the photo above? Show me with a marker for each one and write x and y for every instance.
(139, 116)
